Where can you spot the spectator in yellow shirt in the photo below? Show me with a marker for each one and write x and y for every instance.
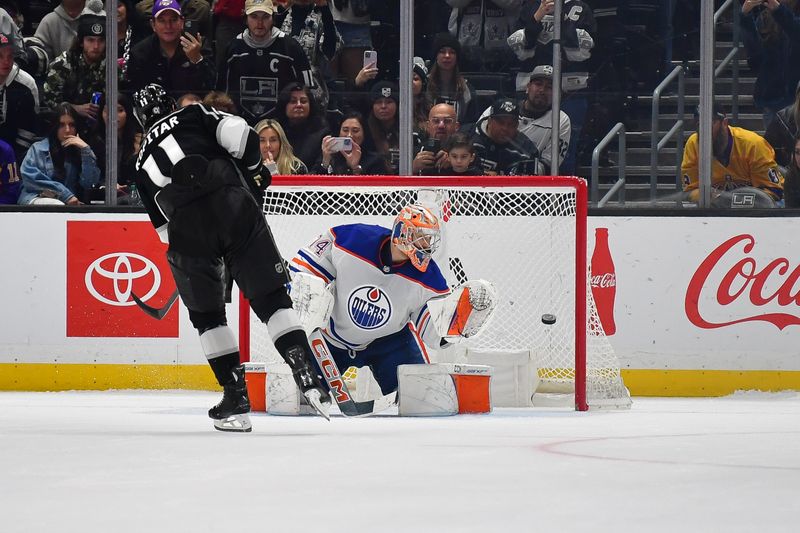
(742, 158)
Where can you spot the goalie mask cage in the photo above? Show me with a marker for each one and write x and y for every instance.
(527, 235)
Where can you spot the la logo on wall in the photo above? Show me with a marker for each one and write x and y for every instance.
(106, 263)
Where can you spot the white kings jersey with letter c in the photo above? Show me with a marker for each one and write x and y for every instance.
(371, 299)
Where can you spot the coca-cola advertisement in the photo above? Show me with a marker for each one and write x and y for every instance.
(733, 285)
(604, 281)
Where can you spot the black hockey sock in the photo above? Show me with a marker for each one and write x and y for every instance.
(223, 367)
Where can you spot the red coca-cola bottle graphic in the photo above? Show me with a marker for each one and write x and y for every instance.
(604, 281)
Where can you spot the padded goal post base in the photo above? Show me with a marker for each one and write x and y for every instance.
(442, 389)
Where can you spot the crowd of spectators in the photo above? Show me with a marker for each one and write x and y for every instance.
(307, 73)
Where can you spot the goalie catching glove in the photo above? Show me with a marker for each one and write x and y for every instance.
(465, 311)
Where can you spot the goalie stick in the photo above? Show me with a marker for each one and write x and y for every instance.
(154, 312)
(339, 390)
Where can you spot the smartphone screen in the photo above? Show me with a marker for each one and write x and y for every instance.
(370, 59)
(190, 26)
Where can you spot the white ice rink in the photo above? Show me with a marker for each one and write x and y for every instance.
(133, 461)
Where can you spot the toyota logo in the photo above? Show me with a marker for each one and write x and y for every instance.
(122, 275)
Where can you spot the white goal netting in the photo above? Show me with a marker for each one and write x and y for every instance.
(521, 236)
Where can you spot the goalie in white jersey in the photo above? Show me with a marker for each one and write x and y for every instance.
(379, 282)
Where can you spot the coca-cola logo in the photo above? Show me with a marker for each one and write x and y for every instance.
(604, 280)
(776, 283)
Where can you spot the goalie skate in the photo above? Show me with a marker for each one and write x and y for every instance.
(308, 382)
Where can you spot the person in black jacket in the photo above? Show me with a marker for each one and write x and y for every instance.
(175, 60)
(500, 147)
(301, 118)
(200, 189)
(361, 159)
(260, 62)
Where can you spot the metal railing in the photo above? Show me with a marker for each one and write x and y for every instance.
(656, 144)
(619, 187)
(733, 54)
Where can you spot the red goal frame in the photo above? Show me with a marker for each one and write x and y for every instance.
(581, 213)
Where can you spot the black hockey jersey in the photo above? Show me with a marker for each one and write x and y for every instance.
(502, 158)
(534, 43)
(193, 130)
(254, 74)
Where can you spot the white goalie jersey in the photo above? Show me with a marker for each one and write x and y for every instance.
(372, 297)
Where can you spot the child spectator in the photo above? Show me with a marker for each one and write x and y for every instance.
(276, 149)
(60, 168)
(462, 156)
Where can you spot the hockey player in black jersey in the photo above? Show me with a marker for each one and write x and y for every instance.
(199, 173)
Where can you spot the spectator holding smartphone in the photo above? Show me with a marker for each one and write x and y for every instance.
(383, 124)
(358, 159)
(442, 123)
(172, 58)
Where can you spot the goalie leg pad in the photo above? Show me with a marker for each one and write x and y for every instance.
(443, 389)
(283, 397)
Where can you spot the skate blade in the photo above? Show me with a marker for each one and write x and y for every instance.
(323, 408)
(236, 423)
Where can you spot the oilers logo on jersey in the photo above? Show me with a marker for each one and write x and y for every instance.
(369, 307)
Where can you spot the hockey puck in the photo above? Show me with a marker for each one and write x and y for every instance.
(548, 319)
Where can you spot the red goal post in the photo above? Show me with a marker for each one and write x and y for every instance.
(525, 234)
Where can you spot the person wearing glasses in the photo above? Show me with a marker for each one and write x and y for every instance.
(430, 156)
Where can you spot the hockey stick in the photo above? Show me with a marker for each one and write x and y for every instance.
(347, 405)
(158, 314)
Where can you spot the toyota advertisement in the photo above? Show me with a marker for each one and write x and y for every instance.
(672, 293)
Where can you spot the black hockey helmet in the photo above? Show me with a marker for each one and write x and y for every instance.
(151, 103)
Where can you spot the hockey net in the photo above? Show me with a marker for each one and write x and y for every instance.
(527, 235)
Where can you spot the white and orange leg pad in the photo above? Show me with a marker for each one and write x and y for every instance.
(272, 389)
(442, 389)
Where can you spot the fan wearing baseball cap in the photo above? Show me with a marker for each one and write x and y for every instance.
(172, 58)
(498, 143)
(80, 71)
(260, 62)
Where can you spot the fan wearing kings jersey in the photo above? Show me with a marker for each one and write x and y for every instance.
(260, 62)
(382, 281)
(199, 173)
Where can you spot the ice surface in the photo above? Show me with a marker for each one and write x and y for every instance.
(139, 461)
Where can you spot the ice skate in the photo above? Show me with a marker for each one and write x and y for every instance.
(308, 381)
(230, 414)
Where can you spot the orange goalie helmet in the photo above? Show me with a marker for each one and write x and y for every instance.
(416, 233)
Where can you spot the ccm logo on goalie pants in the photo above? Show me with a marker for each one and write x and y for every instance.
(327, 365)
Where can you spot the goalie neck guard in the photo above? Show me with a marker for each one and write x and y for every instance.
(416, 233)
